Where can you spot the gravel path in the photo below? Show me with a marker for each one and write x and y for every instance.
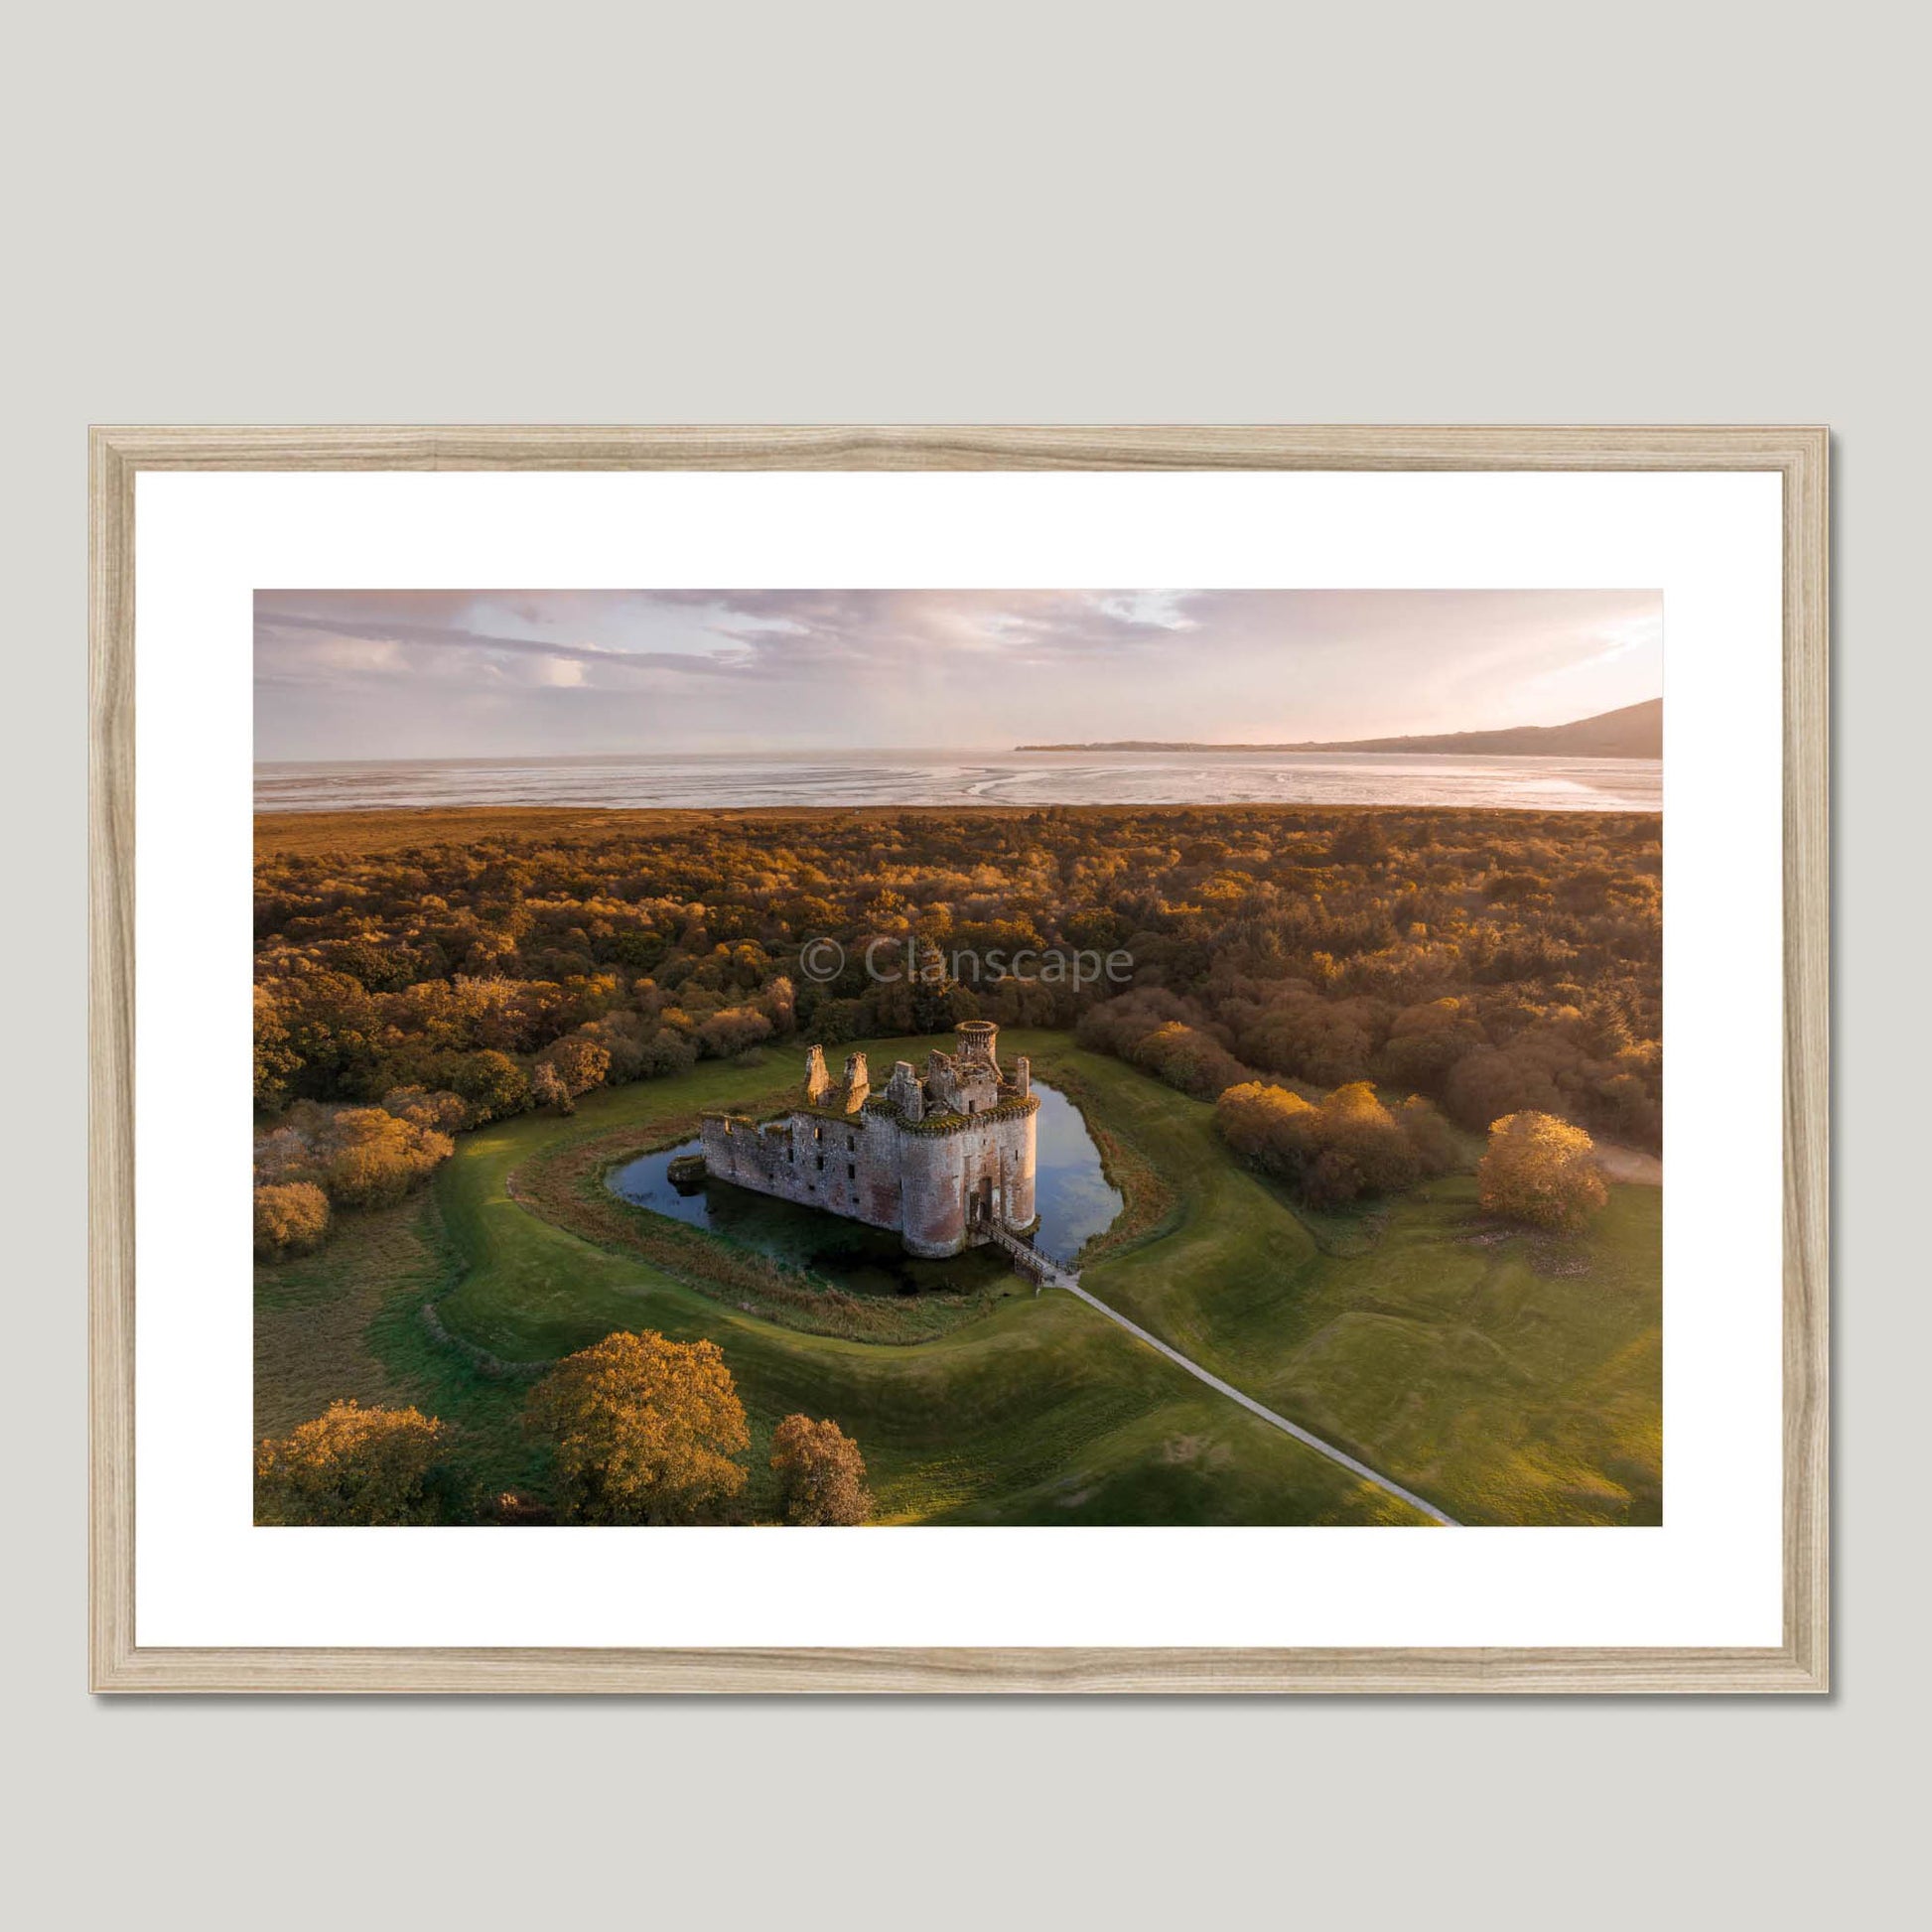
(1052, 1275)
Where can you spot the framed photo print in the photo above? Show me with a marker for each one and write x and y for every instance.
(959, 1059)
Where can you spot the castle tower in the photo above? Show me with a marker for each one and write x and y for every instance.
(978, 1040)
(1022, 1076)
(818, 1083)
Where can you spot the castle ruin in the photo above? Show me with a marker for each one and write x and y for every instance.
(944, 1157)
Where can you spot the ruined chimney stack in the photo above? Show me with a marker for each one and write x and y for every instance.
(858, 1084)
(818, 1083)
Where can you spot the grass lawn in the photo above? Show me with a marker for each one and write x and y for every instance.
(1457, 1363)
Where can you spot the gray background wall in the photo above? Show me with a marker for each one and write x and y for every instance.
(1032, 212)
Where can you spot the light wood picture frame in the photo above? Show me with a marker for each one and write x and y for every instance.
(1798, 454)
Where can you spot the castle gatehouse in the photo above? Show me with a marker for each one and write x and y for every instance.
(943, 1157)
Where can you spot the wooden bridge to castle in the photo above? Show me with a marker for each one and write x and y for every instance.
(1042, 1270)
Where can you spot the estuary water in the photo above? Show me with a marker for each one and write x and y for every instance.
(718, 781)
(1071, 1194)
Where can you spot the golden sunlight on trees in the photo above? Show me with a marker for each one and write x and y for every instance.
(548, 1090)
(350, 1465)
(641, 1430)
(821, 1474)
(573, 1066)
(1540, 1170)
(291, 1219)
(1333, 1150)
(360, 1157)
(1493, 963)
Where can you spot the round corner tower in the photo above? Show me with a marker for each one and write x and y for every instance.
(968, 1166)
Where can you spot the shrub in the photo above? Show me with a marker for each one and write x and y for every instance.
(1336, 1148)
(370, 1158)
(1187, 1059)
(665, 1054)
(291, 1218)
(350, 1465)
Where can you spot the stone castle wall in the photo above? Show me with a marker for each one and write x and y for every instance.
(839, 1164)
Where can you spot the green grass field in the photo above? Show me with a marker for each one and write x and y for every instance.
(1463, 1364)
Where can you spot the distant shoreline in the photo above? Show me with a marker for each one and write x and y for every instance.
(1473, 744)
(1634, 732)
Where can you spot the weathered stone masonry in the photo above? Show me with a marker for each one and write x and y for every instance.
(941, 1157)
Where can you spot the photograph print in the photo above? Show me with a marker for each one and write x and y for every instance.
(813, 1057)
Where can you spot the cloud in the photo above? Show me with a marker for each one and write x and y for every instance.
(454, 673)
(380, 639)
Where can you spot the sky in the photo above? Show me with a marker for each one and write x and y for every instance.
(452, 674)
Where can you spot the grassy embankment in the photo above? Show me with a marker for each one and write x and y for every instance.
(1457, 1360)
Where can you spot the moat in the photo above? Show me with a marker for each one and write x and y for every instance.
(1072, 1195)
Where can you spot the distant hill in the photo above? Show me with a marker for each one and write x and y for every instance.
(1635, 732)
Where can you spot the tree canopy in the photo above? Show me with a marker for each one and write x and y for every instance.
(1491, 963)
(1339, 1147)
(821, 1474)
(350, 1465)
(641, 1430)
(290, 1219)
(1540, 1170)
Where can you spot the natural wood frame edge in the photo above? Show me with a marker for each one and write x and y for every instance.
(1800, 454)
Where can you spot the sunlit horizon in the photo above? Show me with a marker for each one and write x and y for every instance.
(347, 676)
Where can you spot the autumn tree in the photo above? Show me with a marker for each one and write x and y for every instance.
(1496, 965)
(579, 1064)
(441, 1111)
(1353, 1124)
(350, 1465)
(821, 1474)
(732, 1030)
(1272, 1126)
(547, 1089)
(360, 1157)
(1188, 1058)
(290, 1219)
(641, 1430)
(1429, 1135)
(1542, 1170)
(491, 1084)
